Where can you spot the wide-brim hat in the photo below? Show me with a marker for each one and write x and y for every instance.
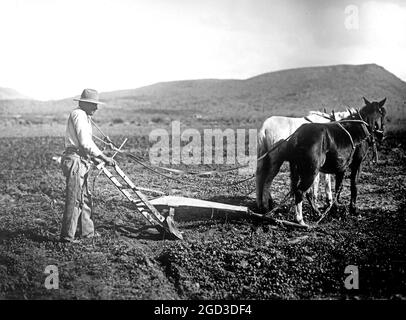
(89, 95)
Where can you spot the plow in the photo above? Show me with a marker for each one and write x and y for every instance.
(141, 204)
(159, 212)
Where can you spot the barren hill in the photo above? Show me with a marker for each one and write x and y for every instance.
(286, 92)
(10, 94)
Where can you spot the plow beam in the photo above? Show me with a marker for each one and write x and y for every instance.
(176, 202)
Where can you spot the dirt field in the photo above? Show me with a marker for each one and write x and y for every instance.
(222, 257)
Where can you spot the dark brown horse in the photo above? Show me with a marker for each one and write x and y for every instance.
(333, 148)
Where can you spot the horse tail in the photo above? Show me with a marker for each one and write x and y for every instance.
(261, 143)
(262, 152)
(262, 166)
(326, 142)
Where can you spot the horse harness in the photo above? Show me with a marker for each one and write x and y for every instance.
(277, 145)
(367, 135)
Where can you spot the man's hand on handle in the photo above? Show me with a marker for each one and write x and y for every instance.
(108, 160)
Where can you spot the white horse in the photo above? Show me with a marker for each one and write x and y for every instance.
(271, 141)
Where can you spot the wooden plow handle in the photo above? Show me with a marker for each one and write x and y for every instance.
(142, 205)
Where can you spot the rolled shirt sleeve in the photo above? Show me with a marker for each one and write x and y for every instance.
(83, 129)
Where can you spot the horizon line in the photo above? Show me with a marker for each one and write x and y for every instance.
(199, 79)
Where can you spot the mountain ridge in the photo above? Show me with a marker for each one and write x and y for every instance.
(11, 94)
(290, 92)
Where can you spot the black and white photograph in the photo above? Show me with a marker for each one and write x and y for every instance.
(216, 152)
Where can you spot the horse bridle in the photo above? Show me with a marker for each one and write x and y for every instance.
(373, 128)
(364, 124)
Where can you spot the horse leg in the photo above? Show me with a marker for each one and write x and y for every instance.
(299, 210)
(263, 183)
(314, 190)
(298, 194)
(329, 193)
(331, 203)
(355, 172)
(339, 185)
(266, 172)
(313, 204)
(264, 199)
(305, 183)
(312, 200)
(275, 164)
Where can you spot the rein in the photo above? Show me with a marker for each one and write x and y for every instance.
(274, 147)
(346, 131)
(138, 160)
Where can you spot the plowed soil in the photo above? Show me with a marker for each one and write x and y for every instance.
(221, 257)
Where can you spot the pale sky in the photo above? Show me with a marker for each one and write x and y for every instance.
(52, 49)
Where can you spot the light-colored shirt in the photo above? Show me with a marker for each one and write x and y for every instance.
(79, 133)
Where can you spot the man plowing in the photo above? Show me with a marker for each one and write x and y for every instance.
(75, 163)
